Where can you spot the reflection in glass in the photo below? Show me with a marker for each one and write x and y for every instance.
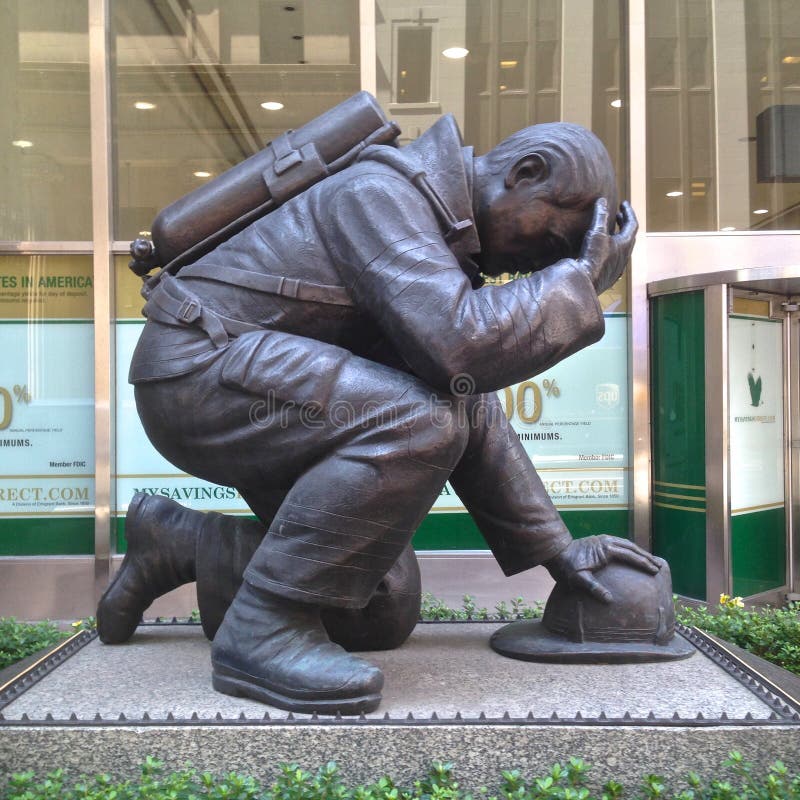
(773, 95)
(199, 85)
(413, 76)
(680, 117)
(45, 172)
(519, 69)
(725, 94)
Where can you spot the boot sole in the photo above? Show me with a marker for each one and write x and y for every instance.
(237, 684)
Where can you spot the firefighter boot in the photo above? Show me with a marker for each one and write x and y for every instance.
(162, 543)
(278, 652)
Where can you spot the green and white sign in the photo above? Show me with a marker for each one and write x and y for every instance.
(572, 421)
(756, 414)
(46, 405)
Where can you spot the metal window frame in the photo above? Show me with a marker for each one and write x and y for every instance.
(104, 361)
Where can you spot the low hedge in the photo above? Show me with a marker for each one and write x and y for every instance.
(562, 782)
(771, 633)
(21, 639)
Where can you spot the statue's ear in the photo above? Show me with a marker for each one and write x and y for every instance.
(532, 167)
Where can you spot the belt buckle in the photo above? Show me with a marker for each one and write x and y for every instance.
(189, 311)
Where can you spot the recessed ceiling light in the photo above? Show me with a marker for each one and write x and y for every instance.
(23, 143)
(508, 64)
(201, 173)
(791, 59)
(272, 105)
(675, 194)
(503, 87)
(144, 105)
(616, 103)
(728, 228)
(761, 211)
(455, 52)
(144, 233)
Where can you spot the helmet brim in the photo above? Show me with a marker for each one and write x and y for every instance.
(530, 640)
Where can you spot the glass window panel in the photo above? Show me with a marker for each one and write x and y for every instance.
(521, 69)
(47, 405)
(680, 116)
(45, 171)
(757, 448)
(514, 21)
(515, 73)
(773, 97)
(513, 66)
(190, 83)
(413, 78)
(746, 63)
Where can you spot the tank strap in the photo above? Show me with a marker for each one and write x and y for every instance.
(171, 303)
(271, 284)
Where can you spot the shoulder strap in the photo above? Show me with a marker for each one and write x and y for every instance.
(271, 284)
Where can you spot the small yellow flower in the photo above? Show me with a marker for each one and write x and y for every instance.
(737, 602)
(77, 623)
(723, 599)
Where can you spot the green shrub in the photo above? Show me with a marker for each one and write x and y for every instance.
(20, 639)
(435, 610)
(562, 782)
(772, 633)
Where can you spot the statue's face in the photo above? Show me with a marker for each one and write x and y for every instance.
(521, 232)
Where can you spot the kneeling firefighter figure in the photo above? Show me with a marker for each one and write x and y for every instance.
(321, 339)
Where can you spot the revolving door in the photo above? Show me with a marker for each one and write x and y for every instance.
(725, 416)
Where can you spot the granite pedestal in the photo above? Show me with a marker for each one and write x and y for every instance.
(448, 696)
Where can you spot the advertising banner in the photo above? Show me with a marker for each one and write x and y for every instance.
(572, 421)
(46, 388)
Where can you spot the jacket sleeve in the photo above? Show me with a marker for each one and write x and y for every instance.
(500, 488)
(389, 250)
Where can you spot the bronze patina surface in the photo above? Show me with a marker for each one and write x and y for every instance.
(336, 360)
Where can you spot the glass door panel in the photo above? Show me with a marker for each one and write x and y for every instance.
(757, 452)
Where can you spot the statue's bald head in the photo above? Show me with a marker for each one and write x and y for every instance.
(534, 195)
(579, 169)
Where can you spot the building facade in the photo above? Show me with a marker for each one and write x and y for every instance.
(680, 429)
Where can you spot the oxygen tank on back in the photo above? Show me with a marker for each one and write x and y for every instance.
(199, 221)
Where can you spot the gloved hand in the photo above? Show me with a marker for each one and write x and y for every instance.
(605, 255)
(576, 564)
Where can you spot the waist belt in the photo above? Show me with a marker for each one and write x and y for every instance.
(171, 303)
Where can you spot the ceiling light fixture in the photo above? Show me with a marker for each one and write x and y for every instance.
(201, 173)
(272, 105)
(761, 211)
(144, 105)
(675, 194)
(791, 59)
(617, 103)
(23, 143)
(508, 64)
(728, 228)
(455, 52)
